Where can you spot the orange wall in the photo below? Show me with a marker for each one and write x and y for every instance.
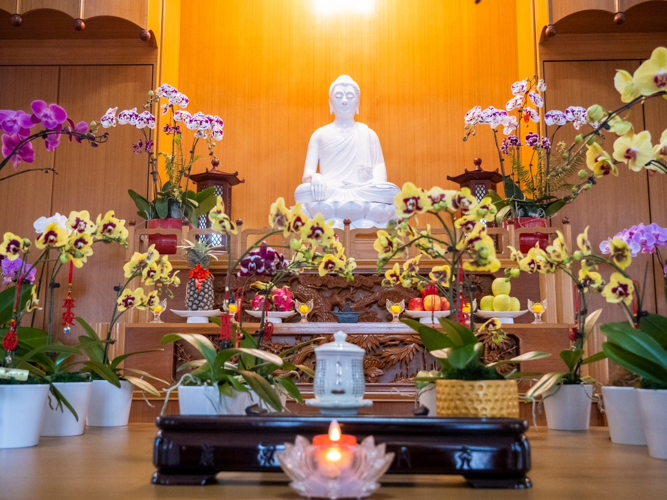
(265, 67)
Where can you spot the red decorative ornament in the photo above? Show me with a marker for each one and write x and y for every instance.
(200, 275)
(10, 342)
(226, 327)
(68, 315)
(574, 334)
(268, 330)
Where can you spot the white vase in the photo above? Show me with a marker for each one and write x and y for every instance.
(60, 421)
(21, 413)
(621, 404)
(654, 414)
(109, 406)
(427, 399)
(206, 400)
(569, 409)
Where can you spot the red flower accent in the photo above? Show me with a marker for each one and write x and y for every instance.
(10, 341)
(200, 275)
(574, 334)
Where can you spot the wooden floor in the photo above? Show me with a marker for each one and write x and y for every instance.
(116, 463)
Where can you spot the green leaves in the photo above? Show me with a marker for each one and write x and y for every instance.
(103, 371)
(7, 298)
(571, 358)
(635, 363)
(546, 384)
(291, 388)
(655, 326)
(263, 389)
(145, 207)
(554, 207)
(459, 357)
(432, 339)
(528, 356)
(458, 334)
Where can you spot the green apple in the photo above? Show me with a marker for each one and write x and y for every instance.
(486, 304)
(516, 305)
(502, 302)
(501, 287)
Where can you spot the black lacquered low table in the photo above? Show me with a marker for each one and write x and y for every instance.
(488, 452)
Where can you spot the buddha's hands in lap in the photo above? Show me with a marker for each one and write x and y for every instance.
(318, 187)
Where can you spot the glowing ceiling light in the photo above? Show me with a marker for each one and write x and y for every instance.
(344, 6)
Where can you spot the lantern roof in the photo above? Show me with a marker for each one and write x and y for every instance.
(477, 174)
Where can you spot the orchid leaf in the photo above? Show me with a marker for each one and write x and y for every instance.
(635, 363)
(635, 341)
(655, 326)
(593, 358)
(199, 342)
(119, 359)
(142, 384)
(291, 388)
(460, 357)
(103, 371)
(88, 329)
(263, 389)
(62, 400)
(591, 319)
(528, 356)
(457, 333)
(545, 384)
(571, 358)
(554, 207)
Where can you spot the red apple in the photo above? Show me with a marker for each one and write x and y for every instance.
(429, 290)
(444, 304)
(416, 304)
(432, 303)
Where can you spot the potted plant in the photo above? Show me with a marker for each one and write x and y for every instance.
(217, 386)
(465, 386)
(111, 396)
(171, 203)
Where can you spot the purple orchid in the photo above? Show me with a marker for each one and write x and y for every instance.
(545, 144)
(51, 115)
(141, 147)
(639, 238)
(128, 116)
(24, 153)
(52, 141)
(252, 265)
(11, 122)
(10, 269)
(109, 118)
(262, 261)
(81, 128)
(532, 139)
(510, 142)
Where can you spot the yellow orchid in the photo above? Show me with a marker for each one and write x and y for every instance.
(463, 200)
(318, 231)
(32, 303)
(599, 161)
(78, 248)
(483, 254)
(129, 299)
(330, 263)
(427, 247)
(620, 253)
(336, 249)
(411, 266)
(152, 255)
(535, 261)
(515, 255)
(634, 149)
(405, 229)
(441, 274)
(626, 86)
(164, 265)
(53, 236)
(619, 289)
(218, 210)
(485, 210)
(224, 225)
(152, 300)
(411, 201)
(619, 126)
(137, 262)
(111, 228)
(297, 220)
(392, 276)
(79, 222)
(150, 274)
(385, 245)
(12, 246)
(651, 76)
(441, 199)
(660, 150)
(584, 243)
(477, 231)
(589, 279)
(558, 251)
(279, 215)
(467, 223)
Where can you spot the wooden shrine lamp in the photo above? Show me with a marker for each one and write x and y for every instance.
(223, 183)
(478, 181)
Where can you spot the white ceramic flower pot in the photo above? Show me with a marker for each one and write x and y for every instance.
(206, 400)
(427, 399)
(569, 409)
(109, 406)
(621, 405)
(253, 399)
(60, 421)
(654, 414)
(21, 414)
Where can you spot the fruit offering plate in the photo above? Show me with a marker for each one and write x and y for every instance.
(426, 317)
(273, 316)
(505, 317)
(197, 316)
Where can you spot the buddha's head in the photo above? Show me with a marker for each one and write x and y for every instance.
(344, 97)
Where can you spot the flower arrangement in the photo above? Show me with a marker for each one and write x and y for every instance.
(171, 200)
(18, 135)
(472, 250)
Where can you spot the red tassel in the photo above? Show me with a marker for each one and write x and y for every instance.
(225, 327)
(10, 342)
(268, 330)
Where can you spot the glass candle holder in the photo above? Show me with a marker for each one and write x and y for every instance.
(537, 308)
(158, 311)
(395, 308)
(334, 465)
(303, 308)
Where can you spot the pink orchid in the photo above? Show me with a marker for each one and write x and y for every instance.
(555, 116)
(146, 119)
(128, 116)
(51, 115)
(11, 122)
(109, 118)
(52, 141)
(24, 153)
(81, 128)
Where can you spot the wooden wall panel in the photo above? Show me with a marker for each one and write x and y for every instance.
(420, 69)
(615, 203)
(97, 179)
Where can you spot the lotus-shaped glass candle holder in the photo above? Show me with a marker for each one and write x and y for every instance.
(304, 309)
(395, 308)
(158, 311)
(334, 469)
(537, 308)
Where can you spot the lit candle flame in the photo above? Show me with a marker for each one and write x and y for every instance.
(333, 455)
(334, 431)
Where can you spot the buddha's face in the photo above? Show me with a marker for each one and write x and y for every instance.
(344, 102)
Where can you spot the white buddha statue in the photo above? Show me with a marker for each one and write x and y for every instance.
(352, 181)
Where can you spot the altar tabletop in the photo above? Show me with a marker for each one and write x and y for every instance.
(116, 463)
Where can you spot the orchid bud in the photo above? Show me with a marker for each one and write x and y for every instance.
(575, 190)
(587, 186)
(26, 243)
(591, 140)
(579, 139)
(565, 156)
(151, 93)
(582, 173)
(594, 113)
(93, 124)
(577, 255)
(515, 272)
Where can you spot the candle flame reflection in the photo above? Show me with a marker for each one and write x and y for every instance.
(334, 431)
(334, 455)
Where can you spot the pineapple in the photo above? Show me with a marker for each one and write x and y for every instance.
(199, 290)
